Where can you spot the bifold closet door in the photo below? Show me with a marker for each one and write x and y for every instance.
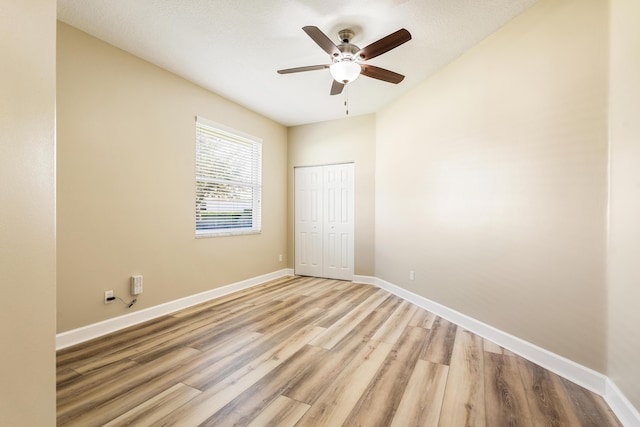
(324, 221)
(338, 224)
(308, 221)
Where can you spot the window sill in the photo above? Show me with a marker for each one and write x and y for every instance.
(204, 235)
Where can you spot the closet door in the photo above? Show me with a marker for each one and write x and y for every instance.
(324, 221)
(338, 222)
(308, 221)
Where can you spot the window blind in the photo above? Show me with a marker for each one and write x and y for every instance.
(228, 181)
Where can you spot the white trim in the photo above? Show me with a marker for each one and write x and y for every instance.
(325, 164)
(228, 131)
(581, 375)
(85, 333)
(200, 234)
(620, 405)
(366, 280)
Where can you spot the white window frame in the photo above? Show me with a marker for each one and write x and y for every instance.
(212, 137)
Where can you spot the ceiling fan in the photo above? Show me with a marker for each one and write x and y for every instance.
(348, 59)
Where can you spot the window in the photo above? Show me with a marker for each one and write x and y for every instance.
(228, 181)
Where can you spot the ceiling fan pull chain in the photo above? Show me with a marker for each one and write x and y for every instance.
(346, 99)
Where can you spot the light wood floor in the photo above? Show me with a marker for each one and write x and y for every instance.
(311, 352)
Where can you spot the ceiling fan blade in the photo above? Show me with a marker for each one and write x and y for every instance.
(322, 40)
(336, 88)
(381, 74)
(300, 69)
(385, 44)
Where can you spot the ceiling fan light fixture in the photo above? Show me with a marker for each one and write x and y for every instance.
(345, 71)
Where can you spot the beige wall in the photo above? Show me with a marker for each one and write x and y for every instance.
(340, 141)
(624, 239)
(27, 218)
(491, 181)
(126, 156)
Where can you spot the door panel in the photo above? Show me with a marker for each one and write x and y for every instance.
(339, 221)
(308, 222)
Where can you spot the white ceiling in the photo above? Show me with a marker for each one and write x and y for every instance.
(234, 47)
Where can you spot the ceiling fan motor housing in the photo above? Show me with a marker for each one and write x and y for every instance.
(347, 49)
(348, 52)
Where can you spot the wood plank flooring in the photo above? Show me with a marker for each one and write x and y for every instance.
(302, 351)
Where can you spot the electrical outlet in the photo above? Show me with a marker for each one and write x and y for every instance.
(136, 285)
(412, 275)
(108, 294)
(280, 257)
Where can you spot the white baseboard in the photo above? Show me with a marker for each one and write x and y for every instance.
(581, 375)
(620, 405)
(366, 280)
(95, 330)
